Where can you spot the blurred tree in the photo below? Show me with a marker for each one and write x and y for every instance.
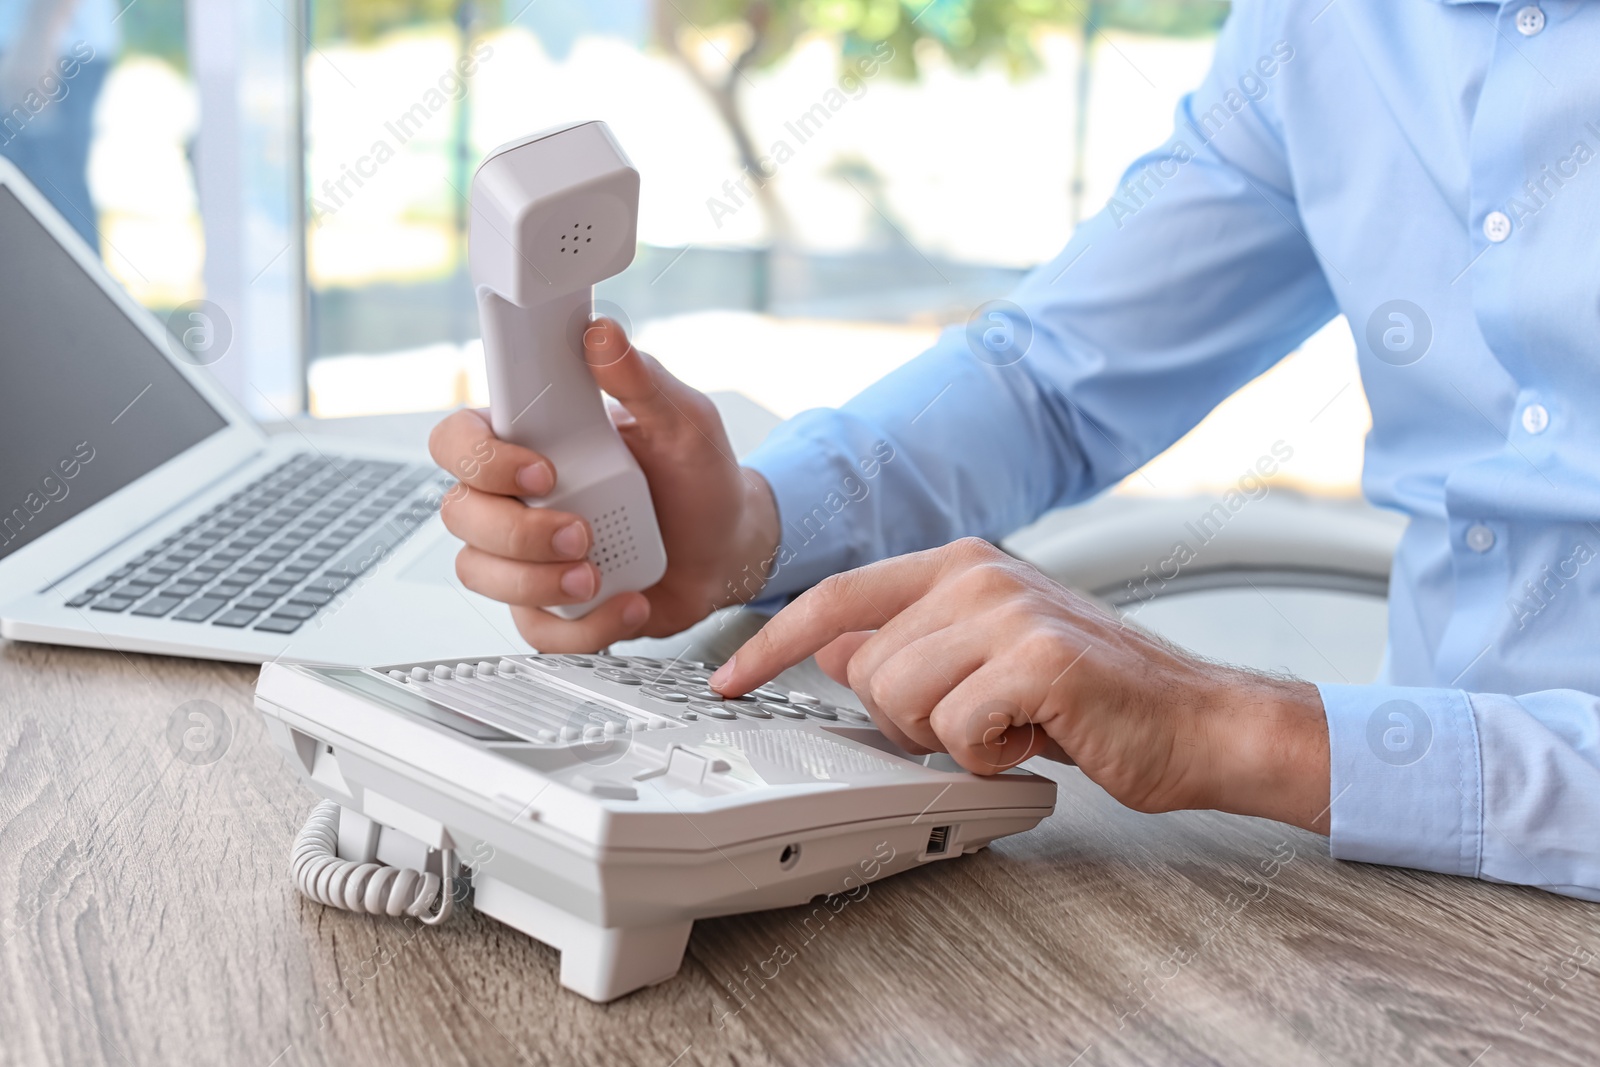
(156, 28)
(366, 20)
(719, 41)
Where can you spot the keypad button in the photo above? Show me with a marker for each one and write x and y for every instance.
(767, 693)
(614, 661)
(715, 711)
(851, 714)
(752, 711)
(577, 661)
(786, 711)
(611, 674)
(661, 692)
(797, 697)
(656, 676)
(822, 711)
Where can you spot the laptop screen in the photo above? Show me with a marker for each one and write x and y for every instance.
(87, 403)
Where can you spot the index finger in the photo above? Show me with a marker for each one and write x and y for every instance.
(465, 446)
(862, 599)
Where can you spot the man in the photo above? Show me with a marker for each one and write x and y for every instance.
(1427, 168)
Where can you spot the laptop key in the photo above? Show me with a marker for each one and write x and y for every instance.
(315, 597)
(113, 603)
(277, 624)
(295, 611)
(365, 555)
(200, 610)
(257, 604)
(327, 583)
(81, 599)
(158, 606)
(235, 618)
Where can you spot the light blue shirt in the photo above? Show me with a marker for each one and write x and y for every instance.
(1432, 171)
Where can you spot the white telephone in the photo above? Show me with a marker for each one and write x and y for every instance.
(603, 803)
(552, 214)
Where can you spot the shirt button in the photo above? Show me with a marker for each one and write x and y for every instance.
(1535, 418)
(1496, 226)
(1480, 538)
(1530, 20)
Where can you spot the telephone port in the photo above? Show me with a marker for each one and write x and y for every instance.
(938, 840)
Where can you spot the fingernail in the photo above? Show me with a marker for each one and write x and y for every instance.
(578, 582)
(635, 613)
(721, 676)
(571, 541)
(536, 479)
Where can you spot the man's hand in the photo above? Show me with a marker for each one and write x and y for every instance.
(966, 650)
(719, 520)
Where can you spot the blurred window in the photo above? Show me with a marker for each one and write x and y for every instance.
(825, 184)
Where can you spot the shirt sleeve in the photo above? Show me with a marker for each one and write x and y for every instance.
(1504, 788)
(1196, 277)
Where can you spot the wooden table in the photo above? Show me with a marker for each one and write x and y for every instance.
(147, 918)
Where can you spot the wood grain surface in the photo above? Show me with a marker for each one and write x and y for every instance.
(146, 917)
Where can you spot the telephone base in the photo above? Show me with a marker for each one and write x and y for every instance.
(596, 962)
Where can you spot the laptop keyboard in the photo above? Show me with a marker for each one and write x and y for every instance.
(279, 551)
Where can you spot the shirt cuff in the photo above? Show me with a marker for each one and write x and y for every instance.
(1405, 779)
(811, 483)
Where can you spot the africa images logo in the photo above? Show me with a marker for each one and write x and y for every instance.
(1399, 733)
(1399, 333)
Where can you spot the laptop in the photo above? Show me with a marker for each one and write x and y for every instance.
(143, 510)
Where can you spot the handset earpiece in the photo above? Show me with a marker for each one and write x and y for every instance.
(552, 214)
